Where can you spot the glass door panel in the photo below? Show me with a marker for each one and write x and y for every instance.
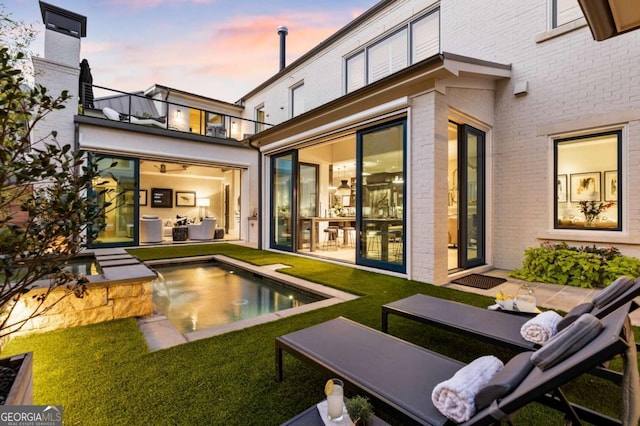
(380, 196)
(282, 201)
(121, 217)
(307, 201)
(471, 187)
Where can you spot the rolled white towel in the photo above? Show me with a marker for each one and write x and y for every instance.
(541, 328)
(454, 397)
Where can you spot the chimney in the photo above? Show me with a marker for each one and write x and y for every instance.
(282, 32)
(62, 36)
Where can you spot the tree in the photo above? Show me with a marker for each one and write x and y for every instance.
(47, 208)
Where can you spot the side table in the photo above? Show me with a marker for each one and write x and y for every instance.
(311, 417)
(180, 233)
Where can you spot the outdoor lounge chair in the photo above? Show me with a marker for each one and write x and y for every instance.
(114, 115)
(402, 375)
(495, 327)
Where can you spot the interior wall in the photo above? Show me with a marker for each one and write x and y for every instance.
(203, 187)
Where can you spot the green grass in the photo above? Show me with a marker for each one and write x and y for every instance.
(104, 374)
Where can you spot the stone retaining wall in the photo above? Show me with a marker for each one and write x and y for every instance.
(123, 290)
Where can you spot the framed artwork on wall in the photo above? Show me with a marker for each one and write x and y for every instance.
(185, 199)
(585, 187)
(162, 198)
(562, 188)
(611, 185)
(142, 197)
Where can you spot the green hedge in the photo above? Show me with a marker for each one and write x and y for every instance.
(587, 267)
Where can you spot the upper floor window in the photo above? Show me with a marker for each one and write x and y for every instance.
(297, 99)
(260, 118)
(355, 72)
(403, 46)
(425, 37)
(387, 56)
(588, 187)
(565, 11)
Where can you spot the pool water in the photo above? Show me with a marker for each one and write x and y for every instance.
(196, 296)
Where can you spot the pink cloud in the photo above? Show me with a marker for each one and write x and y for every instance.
(222, 62)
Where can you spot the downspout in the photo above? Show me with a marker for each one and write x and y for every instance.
(260, 212)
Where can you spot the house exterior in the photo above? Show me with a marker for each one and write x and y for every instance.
(177, 154)
(424, 139)
(495, 122)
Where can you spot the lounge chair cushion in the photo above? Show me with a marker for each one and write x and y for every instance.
(612, 291)
(506, 380)
(574, 314)
(111, 114)
(568, 341)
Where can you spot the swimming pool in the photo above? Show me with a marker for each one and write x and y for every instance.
(196, 296)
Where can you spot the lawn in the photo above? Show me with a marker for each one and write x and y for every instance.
(104, 374)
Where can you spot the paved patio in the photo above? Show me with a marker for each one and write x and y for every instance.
(552, 296)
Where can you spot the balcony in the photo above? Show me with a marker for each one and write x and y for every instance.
(151, 112)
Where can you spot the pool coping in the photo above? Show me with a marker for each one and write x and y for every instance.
(161, 334)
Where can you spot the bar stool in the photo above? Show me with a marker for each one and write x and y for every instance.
(331, 237)
(373, 241)
(349, 236)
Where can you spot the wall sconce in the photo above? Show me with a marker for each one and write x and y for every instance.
(202, 204)
(179, 114)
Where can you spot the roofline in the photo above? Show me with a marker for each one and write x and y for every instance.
(183, 92)
(327, 42)
(436, 64)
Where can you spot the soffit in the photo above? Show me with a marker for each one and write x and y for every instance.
(413, 80)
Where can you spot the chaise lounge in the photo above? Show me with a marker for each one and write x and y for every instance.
(494, 327)
(402, 375)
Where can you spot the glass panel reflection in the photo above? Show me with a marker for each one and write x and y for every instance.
(382, 200)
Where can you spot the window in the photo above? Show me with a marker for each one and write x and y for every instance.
(565, 11)
(297, 100)
(387, 56)
(588, 182)
(425, 37)
(260, 118)
(402, 46)
(355, 72)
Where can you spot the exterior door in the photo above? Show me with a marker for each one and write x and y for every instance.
(283, 201)
(471, 158)
(308, 189)
(120, 219)
(380, 196)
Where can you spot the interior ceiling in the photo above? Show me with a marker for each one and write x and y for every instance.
(150, 167)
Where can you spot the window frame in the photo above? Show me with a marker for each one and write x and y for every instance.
(554, 15)
(408, 28)
(292, 97)
(618, 132)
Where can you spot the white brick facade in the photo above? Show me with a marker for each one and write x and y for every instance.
(574, 85)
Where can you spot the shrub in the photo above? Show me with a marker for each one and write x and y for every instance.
(587, 267)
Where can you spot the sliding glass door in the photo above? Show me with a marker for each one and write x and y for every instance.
(380, 196)
(283, 201)
(118, 185)
(471, 159)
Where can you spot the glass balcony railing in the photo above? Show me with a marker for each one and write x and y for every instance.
(137, 108)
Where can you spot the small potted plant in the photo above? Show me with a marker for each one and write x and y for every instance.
(360, 409)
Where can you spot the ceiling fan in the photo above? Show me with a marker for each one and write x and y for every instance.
(162, 168)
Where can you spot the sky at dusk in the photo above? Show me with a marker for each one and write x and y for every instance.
(216, 48)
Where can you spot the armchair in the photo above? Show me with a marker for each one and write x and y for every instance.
(204, 230)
